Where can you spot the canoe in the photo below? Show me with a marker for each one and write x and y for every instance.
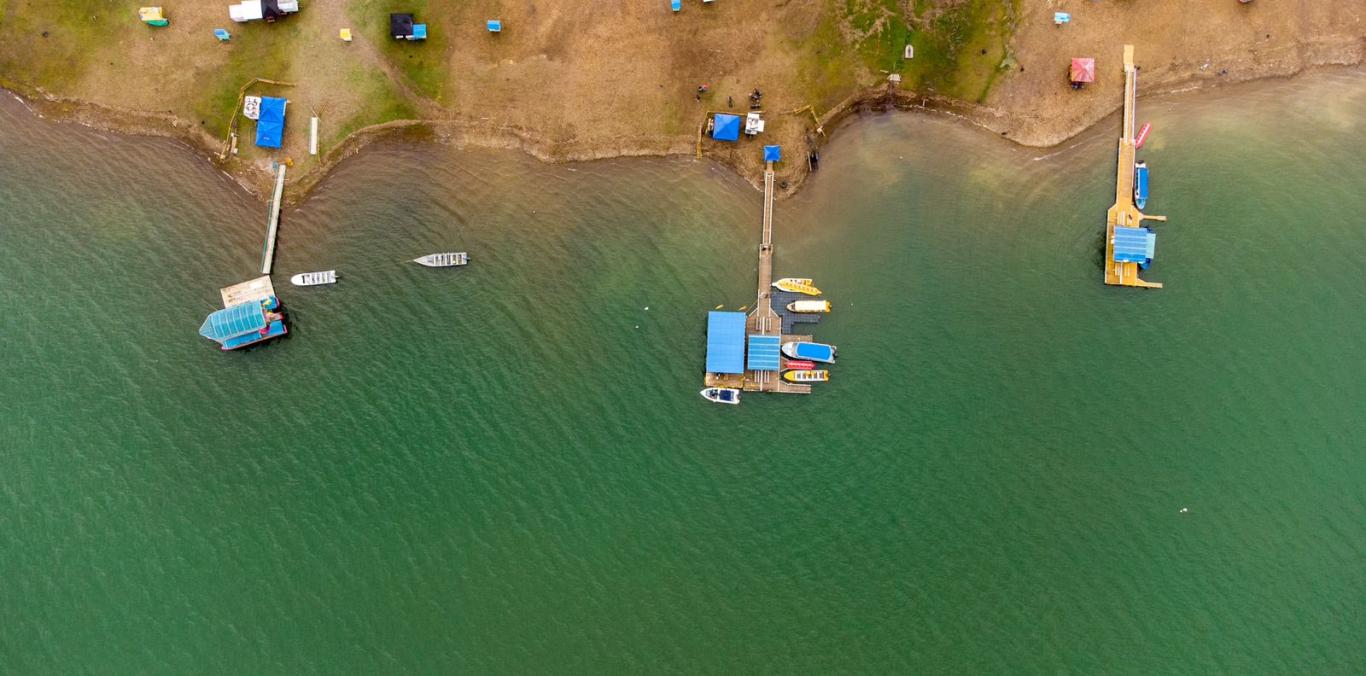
(800, 365)
(796, 285)
(816, 376)
(1142, 134)
(810, 351)
(809, 306)
(314, 278)
(443, 260)
(721, 395)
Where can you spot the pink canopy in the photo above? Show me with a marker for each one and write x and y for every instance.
(1083, 70)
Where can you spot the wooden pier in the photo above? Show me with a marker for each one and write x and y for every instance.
(1125, 213)
(268, 254)
(762, 319)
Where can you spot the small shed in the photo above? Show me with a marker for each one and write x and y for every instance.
(270, 126)
(726, 127)
(725, 342)
(773, 153)
(1135, 245)
(1082, 71)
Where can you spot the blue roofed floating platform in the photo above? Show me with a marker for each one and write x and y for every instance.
(1129, 247)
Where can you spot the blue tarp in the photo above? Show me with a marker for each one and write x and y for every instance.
(773, 153)
(235, 321)
(1134, 245)
(270, 128)
(419, 31)
(763, 353)
(676, 5)
(727, 127)
(495, 26)
(725, 342)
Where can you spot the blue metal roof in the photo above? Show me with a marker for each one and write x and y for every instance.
(235, 321)
(725, 342)
(773, 153)
(1134, 245)
(763, 353)
(727, 127)
(270, 128)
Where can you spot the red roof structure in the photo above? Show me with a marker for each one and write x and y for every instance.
(1083, 70)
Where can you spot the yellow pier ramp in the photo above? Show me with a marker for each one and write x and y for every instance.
(1125, 213)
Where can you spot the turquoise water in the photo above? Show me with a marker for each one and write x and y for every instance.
(506, 468)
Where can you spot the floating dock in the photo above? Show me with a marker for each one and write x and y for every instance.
(763, 328)
(1125, 214)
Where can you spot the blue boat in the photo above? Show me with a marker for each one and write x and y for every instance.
(1140, 184)
(245, 324)
(810, 351)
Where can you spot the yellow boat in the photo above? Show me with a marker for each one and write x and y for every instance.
(811, 376)
(809, 306)
(796, 285)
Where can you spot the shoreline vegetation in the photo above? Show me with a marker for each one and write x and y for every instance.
(593, 82)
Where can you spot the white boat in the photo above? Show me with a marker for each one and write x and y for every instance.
(443, 260)
(809, 306)
(721, 395)
(314, 278)
(820, 352)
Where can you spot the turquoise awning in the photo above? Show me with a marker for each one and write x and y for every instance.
(238, 320)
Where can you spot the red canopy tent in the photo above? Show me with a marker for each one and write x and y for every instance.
(1083, 70)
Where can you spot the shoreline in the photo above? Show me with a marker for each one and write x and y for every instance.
(1018, 127)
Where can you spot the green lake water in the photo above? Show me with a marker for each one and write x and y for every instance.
(506, 469)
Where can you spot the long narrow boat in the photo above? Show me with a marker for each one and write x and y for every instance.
(808, 306)
(1141, 184)
(799, 365)
(810, 351)
(443, 260)
(1142, 134)
(797, 285)
(816, 376)
(314, 278)
(721, 395)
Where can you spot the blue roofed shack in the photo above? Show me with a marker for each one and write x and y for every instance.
(1135, 245)
(773, 153)
(763, 353)
(270, 128)
(726, 127)
(725, 342)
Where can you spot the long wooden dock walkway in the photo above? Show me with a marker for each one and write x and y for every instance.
(1125, 213)
(762, 319)
(268, 254)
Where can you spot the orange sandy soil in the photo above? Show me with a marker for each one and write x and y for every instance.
(581, 79)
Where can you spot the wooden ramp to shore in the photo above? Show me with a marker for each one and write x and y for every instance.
(1125, 213)
(268, 254)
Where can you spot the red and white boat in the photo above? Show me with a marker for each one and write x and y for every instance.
(800, 365)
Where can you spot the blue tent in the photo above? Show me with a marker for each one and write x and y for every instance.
(726, 128)
(238, 320)
(763, 353)
(270, 128)
(495, 25)
(773, 153)
(725, 342)
(419, 31)
(1135, 245)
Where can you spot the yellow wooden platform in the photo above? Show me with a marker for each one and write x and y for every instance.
(1125, 213)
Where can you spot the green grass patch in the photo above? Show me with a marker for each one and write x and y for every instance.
(383, 103)
(52, 43)
(880, 29)
(257, 49)
(827, 68)
(960, 46)
(425, 63)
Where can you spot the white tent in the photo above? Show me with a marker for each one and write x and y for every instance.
(246, 10)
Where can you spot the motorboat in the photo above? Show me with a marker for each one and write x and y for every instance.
(314, 278)
(1141, 184)
(812, 376)
(721, 395)
(808, 306)
(443, 260)
(796, 285)
(810, 352)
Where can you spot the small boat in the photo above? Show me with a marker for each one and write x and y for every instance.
(1140, 184)
(796, 285)
(800, 365)
(1142, 134)
(314, 278)
(810, 351)
(816, 376)
(443, 260)
(809, 306)
(721, 395)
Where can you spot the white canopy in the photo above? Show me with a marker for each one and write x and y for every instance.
(246, 10)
